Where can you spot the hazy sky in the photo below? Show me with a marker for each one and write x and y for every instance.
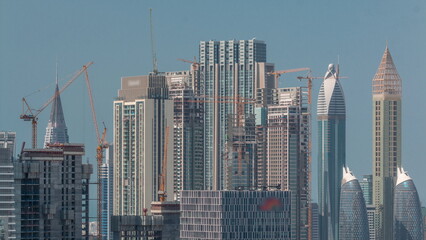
(33, 34)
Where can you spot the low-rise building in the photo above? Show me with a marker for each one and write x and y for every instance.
(235, 215)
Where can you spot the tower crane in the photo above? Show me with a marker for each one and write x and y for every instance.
(32, 115)
(277, 74)
(194, 64)
(310, 78)
(102, 144)
(153, 49)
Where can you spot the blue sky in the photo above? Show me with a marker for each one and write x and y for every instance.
(33, 34)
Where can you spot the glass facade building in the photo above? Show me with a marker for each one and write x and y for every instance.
(331, 112)
(353, 221)
(367, 188)
(107, 188)
(408, 221)
(235, 215)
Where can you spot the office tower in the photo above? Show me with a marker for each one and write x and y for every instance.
(408, 219)
(387, 106)
(367, 188)
(332, 151)
(230, 73)
(353, 212)
(106, 178)
(56, 130)
(288, 124)
(315, 221)
(235, 215)
(54, 192)
(143, 140)
(188, 130)
(371, 210)
(7, 204)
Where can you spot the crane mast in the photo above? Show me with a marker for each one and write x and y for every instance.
(99, 152)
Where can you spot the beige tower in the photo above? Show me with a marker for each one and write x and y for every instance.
(386, 143)
(143, 115)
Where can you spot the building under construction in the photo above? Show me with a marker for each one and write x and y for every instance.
(240, 161)
(188, 132)
(54, 192)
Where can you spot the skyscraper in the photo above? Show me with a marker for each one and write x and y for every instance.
(56, 130)
(288, 128)
(7, 198)
(353, 221)
(332, 151)
(228, 69)
(386, 143)
(188, 129)
(367, 188)
(408, 219)
(106, 178)
(143, 140)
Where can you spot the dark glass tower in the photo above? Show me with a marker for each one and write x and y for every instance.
(331, 158)
(353, 221)
(408, 222)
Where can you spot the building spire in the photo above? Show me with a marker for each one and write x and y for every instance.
(56, 130)
(387, 80)
(57, 79)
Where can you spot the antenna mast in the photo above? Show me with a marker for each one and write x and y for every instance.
(154, 54)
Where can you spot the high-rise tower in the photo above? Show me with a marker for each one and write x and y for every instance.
(408, 223)
(188, 150)
(143, 115)
(229, 70)
(386, 143)
(288, 128)
(56, 130)
(353, 221)
(332, 144)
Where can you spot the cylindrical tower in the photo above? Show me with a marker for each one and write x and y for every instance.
(353, 211)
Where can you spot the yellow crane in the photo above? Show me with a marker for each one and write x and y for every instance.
(277, 74)
(162, 195)
(102, 144)
(32, 115)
